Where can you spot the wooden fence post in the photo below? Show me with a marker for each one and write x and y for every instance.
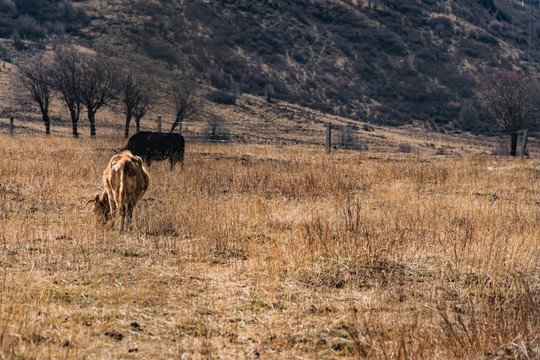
(328, 137)
(11, 126)
(524, 142)
(159, 123)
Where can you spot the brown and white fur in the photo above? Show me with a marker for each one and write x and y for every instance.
(125, 180)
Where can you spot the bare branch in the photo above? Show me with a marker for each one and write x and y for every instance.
(512, 98)
(34, 77)
(187, 99)
(66, 75)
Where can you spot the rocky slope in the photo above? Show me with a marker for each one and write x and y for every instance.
(382, 61)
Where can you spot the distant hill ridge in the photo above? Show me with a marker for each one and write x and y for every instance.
(383, 61)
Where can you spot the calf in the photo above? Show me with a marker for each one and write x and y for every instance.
(125, 180)
(157, 146)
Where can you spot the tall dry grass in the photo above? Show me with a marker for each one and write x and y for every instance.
(270, 252)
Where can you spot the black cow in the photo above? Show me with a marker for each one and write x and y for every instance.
(157, 146)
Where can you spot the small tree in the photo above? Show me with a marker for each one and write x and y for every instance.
(512, 98)
(66, 75)
(142, 107)
(135, 94)
(187, 100)
(97, 85)
(34, 76)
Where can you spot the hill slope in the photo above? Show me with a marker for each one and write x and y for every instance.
(384, 61)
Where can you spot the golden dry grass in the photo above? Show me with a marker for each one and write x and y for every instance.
(272, 252)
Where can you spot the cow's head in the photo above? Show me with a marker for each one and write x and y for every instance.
(100, 206)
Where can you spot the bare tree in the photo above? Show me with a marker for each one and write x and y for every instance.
(135, 94)
(97, 85)
(512, 98)
(142, 107)
(66, 75)
(33, 75)
(187, 99)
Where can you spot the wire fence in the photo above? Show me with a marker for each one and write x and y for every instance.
(350, 136)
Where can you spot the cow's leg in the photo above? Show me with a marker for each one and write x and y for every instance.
(114, 209)
(122, 216)
(129, 215)
(176, 158)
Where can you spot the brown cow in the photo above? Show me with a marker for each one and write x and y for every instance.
(125, 180)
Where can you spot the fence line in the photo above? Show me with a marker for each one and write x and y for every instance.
(346, 137)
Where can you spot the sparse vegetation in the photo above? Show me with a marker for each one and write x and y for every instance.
(421, 59)
(270, 252)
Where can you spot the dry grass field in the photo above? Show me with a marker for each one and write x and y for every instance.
(258, 251)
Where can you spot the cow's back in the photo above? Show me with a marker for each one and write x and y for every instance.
(135, 180)
(125, 172)
(157, 146)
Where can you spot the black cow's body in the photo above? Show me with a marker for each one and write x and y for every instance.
(157, 146)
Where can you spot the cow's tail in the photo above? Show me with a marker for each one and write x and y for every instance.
(122, 196)
(128, 170)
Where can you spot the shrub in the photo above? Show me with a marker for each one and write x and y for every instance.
(161, 52)
(29, 28)
(495, 26)
(442, 25)
(8, 7)
(256, 82)
(325, 108)
(57, 28)
(217, 80)
(405, 148)
(221, 97)
(488, 39)
(28, 6)
(17, 41)
(391, 44)
(70, 14)
(4, 53)
(6, 28)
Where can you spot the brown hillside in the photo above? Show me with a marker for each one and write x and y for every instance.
(383, 61)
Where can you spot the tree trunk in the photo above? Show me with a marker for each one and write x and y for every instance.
(92, 121)
(74, 122)
(177, 122)
(74, 129)
(47, 123)
(44, 108)
(128, 121)
(513, 144)
(137, 123)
